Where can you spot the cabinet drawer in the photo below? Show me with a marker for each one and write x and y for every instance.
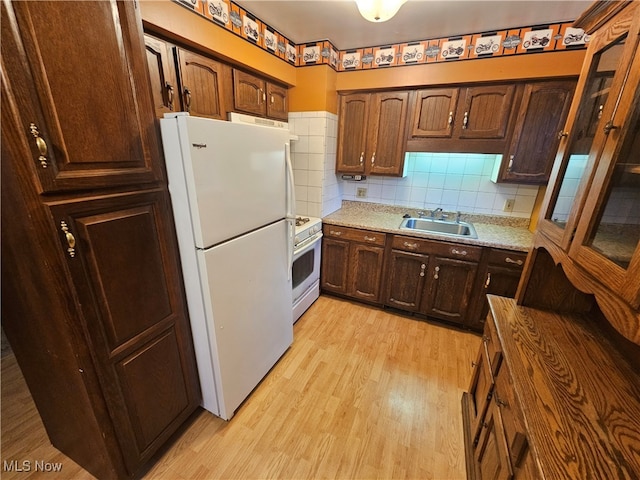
(354, 235)
(449, 250)
(507, 258)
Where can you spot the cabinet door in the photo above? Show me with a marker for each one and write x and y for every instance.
(249, 94)
(365, 272)
(433, 112)
(405, 280)
(202, 84)
(541, 117)
(449, 288)
(121, 254)
(89, 126)
(607, 240)
(334, 268)
(352, 133)
(162, 71)
(501, 281)
(483, 112)
(480, 390)
(277, 104)
(492, 453)
(387, 136)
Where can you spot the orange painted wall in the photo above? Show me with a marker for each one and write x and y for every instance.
(315, 90)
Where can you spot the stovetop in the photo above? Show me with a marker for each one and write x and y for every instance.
(306, 227)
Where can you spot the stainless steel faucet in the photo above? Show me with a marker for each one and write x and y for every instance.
(435, 212)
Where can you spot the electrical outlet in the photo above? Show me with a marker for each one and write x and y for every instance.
(508, 205)
(361, 192)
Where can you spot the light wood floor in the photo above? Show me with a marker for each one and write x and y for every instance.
(362, 393)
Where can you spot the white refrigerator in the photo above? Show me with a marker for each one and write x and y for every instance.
(231, 188)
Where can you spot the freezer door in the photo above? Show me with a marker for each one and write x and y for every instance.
(249, 312)
(235, 176)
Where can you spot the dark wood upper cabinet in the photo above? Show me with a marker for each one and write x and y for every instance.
(372, 132)
(89, 126)
(162, 70)
(254, 95)
(202, 83)
(541, 117)
(473, 119)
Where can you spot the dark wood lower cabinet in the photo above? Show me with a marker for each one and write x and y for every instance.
(353, 265)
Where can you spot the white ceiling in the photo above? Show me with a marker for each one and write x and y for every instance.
(340, 22)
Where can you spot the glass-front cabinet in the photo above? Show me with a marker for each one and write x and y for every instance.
(592, 206)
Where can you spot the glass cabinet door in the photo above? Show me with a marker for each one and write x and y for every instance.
(578, 158)
(608, 234)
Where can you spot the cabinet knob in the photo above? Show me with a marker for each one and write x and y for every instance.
(373, 158)
(71, 241)
(187, 99)
(450, 121)
(510, 163)
(562, 133)
(455, 251)
(465, 120)
(169, 89)
(411, 245)
(488, 281)
(41, 144)
(361, 158)
(608, 127)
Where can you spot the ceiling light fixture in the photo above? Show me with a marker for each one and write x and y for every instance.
(379, 10)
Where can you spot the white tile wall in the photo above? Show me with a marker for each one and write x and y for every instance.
(451, 181)
(317, 189)
(569, 187)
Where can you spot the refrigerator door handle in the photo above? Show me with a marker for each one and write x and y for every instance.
(291, 192)
(291, 205)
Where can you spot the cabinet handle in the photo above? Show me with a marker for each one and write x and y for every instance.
(500, 402)
(41, 144)
(187, 99)
(264, 95)
(337, 233)
(410, 245)
(455, 251)
(608, 127)
(510, 163)
(600, 111)
(369, 239)
(485, 339)
(361, 158)
(272, 99)
(516, 262)
(465, 120)
(422, 268)
(373, 158)
(488, 281)
(562, 133)
(450, 121)
(437, 269)
(474, 364)
(71, 241)
(169, 88)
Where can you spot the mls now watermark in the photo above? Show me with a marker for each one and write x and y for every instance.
(31, 466)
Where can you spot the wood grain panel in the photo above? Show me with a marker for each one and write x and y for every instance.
(433, 112)
(202, 85)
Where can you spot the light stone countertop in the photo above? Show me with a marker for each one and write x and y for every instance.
(493, 231)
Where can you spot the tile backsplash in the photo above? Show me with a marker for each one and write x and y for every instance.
(448, 180)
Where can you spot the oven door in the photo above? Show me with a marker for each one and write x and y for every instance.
(306, 265)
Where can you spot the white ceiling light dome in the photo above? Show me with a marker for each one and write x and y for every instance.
(379, 10)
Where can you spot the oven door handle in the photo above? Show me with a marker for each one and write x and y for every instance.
(308, 244)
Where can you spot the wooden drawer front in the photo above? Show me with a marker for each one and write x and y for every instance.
(355, 235)
(492, 346)
(507, 258)
(449, 250)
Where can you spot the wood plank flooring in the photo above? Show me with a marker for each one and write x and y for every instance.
(362, 393)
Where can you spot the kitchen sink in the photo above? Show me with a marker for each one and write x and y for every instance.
(440, 227)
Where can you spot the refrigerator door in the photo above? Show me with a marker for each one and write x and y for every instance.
(234, 175)
(247, 299)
